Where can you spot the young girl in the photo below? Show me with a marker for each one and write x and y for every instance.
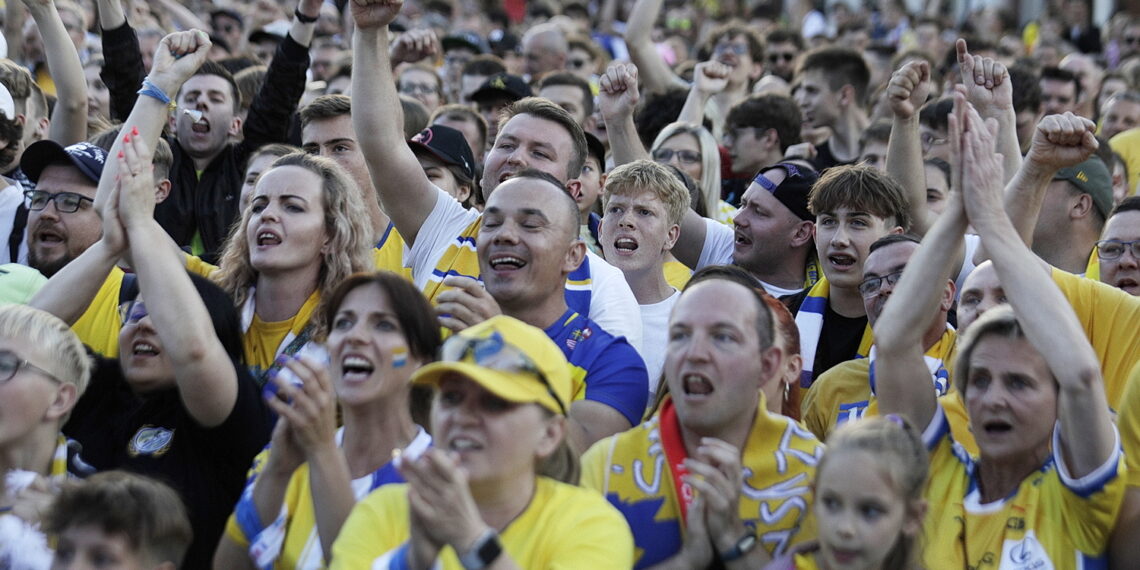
(868, 499)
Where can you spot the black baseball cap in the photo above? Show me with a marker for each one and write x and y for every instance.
(88, 158)
(446, 144)
(502, 85)
(465, 39)
(793, 191)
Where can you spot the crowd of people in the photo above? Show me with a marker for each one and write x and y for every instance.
(416, 284)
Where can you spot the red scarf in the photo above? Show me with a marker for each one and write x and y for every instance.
(675, 455)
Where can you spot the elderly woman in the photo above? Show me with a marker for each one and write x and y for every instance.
(480, 497)
(379, 329)
(1045, 488)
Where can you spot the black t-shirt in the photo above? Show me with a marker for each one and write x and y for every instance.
(839, 338)
(157, 437)
(824, 158)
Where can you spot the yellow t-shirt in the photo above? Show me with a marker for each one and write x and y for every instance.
(564, 527)
(1129, 423)
(99, 325)
(1109, 318)
(1051, 521)
(390, 255)
(263, 341)
(1127, 145)
(780, 458)
(843, 393)
(677, 274)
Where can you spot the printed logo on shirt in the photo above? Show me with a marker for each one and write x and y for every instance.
(1025, 554)
(150, 440)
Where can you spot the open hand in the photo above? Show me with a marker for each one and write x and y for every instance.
(987, 82)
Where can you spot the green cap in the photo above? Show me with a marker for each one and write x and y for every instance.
(1093, 178)
(18, 283)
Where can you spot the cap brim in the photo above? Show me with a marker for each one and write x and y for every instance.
(516, 387)
(418, 147)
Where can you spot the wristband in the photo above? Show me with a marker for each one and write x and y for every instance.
(303, 18)
(151, 90)
(399, 558)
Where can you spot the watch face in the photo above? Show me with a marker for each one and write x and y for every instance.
(490, 550)
(746, 543)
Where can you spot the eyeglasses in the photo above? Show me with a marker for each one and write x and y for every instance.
(1132, 40)
(414, 88)
(576, 63)
(664, 155)
(871, 286)
(735, 49)
(10, 364)
(65, 202)
(493, 352)
(132, 312)
(930, 141)
(776, 57)
(1114, 248)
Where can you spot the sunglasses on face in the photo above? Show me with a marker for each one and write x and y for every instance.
(736, 49)
(776, 57)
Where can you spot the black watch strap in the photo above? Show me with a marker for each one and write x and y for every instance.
(303, 18)
(483, 552)
(738, 550)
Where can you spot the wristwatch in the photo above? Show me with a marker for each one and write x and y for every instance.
(738, 550)
(485, 550)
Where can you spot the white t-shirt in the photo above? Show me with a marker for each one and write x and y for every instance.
(612, 304)
(720, 241)
(10, 199)
(655, 327)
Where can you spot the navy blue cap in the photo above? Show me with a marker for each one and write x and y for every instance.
(88, 158)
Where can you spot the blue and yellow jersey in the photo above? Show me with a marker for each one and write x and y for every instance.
(604, 368)
(388, 255)
(1052, 520)
(779, 460)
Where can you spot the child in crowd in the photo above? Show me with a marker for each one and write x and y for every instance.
(117, 519)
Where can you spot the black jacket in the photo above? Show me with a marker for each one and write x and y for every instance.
(208, 204)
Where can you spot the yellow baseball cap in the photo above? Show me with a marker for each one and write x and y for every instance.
(509, 358)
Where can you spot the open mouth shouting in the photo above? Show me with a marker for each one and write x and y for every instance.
(268, 238)
(501, 262)
(356, 368)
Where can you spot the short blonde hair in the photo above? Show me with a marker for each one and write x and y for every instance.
(70, 362)
(646, 175)
(346, 225)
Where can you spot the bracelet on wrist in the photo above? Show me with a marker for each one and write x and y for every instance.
(304, 19)
(155, 92)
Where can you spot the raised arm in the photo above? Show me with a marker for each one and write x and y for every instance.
(902, 376)
(69, 119)
(990, 91)
(182, 17)
(203, 371)
(123, 67)
(406, 194)
(709, 78)
(177, 57)
(70, 291)
(907, 92)
(1050, 325)
(642, 52)
(1058, 142)
(618, 95)
(272, 108)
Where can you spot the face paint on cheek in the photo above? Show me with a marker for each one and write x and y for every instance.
(399, 357)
